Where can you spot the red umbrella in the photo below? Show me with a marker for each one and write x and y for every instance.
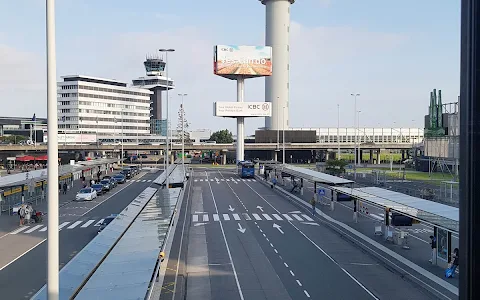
(25, 158)
(42, 157)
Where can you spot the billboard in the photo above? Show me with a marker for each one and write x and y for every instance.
(73, 138)
(248, 61)
(242, 109)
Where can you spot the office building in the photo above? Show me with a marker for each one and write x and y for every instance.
(104, 107)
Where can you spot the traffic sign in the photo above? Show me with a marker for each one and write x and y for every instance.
(321, 192)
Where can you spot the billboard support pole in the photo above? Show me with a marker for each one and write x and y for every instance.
(240, 120)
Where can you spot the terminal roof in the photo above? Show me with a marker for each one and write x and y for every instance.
(310, 175)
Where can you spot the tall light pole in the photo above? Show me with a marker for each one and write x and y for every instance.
(283, 133)
(168, 87)
(359, 139)
(52, 160)
(183, 132)
(338, 131)
(278, 126)
(122, 138)
(355, 95)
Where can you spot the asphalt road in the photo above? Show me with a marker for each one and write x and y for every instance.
(26, 274)
(260, 246)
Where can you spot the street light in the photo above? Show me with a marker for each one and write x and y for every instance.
(338, 131)
(183, 133)
(355, 95)
(166, 51)
(283, 133)
(359, 139)
(122, 137)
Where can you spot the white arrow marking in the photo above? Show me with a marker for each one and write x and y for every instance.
(200, 212)
(310, 223)
(278, 227)
(242, 230)
(295, 212)
(199, 224)
(230, 208)
(260, 208)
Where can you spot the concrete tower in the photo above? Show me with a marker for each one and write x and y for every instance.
(277, 85)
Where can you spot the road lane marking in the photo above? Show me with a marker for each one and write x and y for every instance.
(195, 218)
(33, 229)
(306, 293)
(246, 217)
(19, 229)
(299, 283)
(99, 222)
(43, 229)
(291, 272)
(285, 264)
(216, 217)
(307, 217)
(287, 217)
(277, 217)
(205, 218)
(74, 225)
(257, 217)
(87, 223)
(226, 217)
(236, 217)
(63, 225)
(267, 217)
(297, 217)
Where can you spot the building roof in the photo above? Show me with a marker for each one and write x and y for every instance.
(92, 79)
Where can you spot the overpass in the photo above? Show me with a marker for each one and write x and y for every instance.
(228, 147)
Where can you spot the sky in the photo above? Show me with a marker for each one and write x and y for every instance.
(393, 53)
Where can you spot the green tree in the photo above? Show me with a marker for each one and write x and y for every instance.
(222, 137)
(182, 131)
(14, 138)
(336, 167)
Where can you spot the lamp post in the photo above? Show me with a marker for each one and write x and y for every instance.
(53, 290)
(183, 133)
(278, 126)
(166, 51)
(359, 139)
(338, 131)
(121, 142)
(96, 131)
(355, 95)
(283, 133)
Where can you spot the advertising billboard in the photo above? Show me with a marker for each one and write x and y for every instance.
(247, 61)
(73, 138)
(242, 109)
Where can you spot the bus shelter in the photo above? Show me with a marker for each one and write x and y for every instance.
(443, 218)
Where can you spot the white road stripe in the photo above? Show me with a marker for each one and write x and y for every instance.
(236, 217)
(246, 216)
(226, 217)
(63, 225)
(254, 180)
(149, 180)
(205, 218)
(267, 217)
(201, 179)
(257, 217)
(33, 228)
(43, 229)
(195, 180)
(299, 283)
(287, 217)
(277, 217)
(307, 217)
(99, 222)
(222, 179)
(215, 217)
(228, 179)
(194, 218)
(238, 179)
(306, 293)
(144, 180)
(74, 225)
(212, 180)
(243, 179)
(88, 223)
(297, 217)
(19, 229)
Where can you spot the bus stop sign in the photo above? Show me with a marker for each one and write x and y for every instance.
(321, 192)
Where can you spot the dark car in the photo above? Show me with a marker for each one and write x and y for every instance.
(127, 173)
(98, 188)
(106, 184)
(113, 182)
(120, 178)
(134, 169)
(107, 177)
(106, 221)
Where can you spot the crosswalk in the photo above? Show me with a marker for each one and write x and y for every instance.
(224, 179)
(65, 225)
(139, 180)
(251, 217)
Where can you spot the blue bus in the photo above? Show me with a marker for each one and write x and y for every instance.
(246, 169)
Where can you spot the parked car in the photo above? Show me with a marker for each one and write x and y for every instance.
(113, 182)
(127, 173)
(107, 177)
(106, 221)
(120, 178)
(98, 188)
(106, 183)
(135, 169)
(86, 194)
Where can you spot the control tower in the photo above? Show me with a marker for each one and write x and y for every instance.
(277, 86)
(156, 81)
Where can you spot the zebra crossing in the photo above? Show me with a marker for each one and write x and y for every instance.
(196, 218)
(65, 225)
(225, 179)
(139, 180)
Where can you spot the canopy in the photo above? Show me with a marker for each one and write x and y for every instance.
(25, 158)
(42, 157)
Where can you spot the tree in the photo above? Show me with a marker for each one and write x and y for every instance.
(336, 167)
(182, 131)
(222, 137)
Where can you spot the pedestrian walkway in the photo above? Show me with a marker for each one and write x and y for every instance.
(251, 217)
(224, 179)
(33, 228)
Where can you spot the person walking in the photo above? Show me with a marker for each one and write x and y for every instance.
(21, 214)
(433, 244)
(454, 264)
(313, 202)
(65, 188)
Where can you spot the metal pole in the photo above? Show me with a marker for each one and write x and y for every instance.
(121, 142)
(167, 141)
(355, 141)
(359, 139)
(240, 120)
(283, 138)
(52, 152)
(278, 126)
(338, 131)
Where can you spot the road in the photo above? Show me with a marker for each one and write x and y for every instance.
(24, 272)
(245, 241)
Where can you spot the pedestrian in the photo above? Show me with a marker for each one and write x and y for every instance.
(433, 244)
(313, 202)
(59, 187)
(65, 188)
(28, 213)
(21, 214)
(274, 182)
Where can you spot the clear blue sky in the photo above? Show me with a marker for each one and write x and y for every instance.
(391, 52)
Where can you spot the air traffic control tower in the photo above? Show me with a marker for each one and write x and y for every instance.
(277, 34)
(156, 81)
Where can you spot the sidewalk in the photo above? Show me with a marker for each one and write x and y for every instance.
(418, 254)
(11, 222)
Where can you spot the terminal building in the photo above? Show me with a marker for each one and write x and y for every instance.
(102, 107)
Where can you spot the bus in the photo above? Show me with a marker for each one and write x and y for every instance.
(246, 169)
